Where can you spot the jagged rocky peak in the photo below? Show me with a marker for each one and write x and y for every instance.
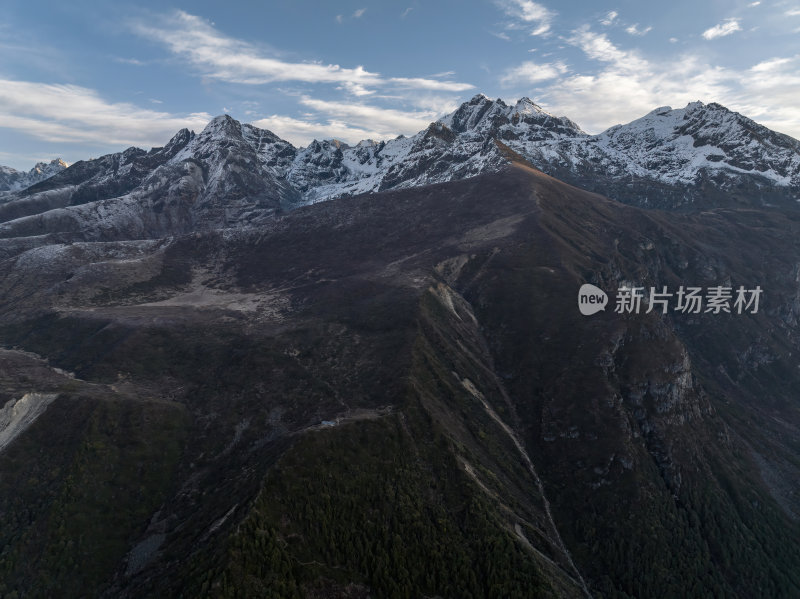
(479, 113)
(224, 134)
(325, 153)
(525, 120)
(326, 146)
(223, 125)
(13, 180)
(48, 169)
(528, 112)
(178, 141)
(679, 145)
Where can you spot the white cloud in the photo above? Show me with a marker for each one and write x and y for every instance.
(794, 12)
(609, 19)
(235, 61)
(406, 11)
(301, 132)
(24, 161)
(433, 84)
(625, 85)
(753, 4)
(727, 27)
(228, 59)
(599, 47)
(530, 72)
(69, 113)
(634, 30)
(352, 122)
(532, 13)
(356, 89)
(769, 94)
(133, 61)
(387, 121)
(772, 65)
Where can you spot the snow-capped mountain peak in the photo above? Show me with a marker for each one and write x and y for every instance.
(683, 145)
(14, 180)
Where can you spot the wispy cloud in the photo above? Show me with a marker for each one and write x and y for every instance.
(406, 12)
(769, 93)
(794, 12)
(533, 14)
(69, 113)
(531, 72)
(635, 30)
(609, 19)
(231, 60)
(598, 47)
(301, 132)
(357, 14)
(432, 84)
(133, 61)
(624, 84)
(727, 27)
(388, 121)
(351, 122)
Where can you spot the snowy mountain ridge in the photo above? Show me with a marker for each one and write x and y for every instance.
(13, 180)
(666, 158)
(233, 174)
(678, 148)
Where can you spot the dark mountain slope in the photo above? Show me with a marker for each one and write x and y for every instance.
(395, 394)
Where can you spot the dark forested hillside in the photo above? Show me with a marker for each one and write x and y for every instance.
(395, 395)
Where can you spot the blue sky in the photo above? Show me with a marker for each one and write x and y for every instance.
(83, 78)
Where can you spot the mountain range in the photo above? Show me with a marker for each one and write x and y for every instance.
(234, 174)
(230, 367)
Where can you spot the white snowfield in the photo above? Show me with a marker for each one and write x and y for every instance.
(18, 414)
